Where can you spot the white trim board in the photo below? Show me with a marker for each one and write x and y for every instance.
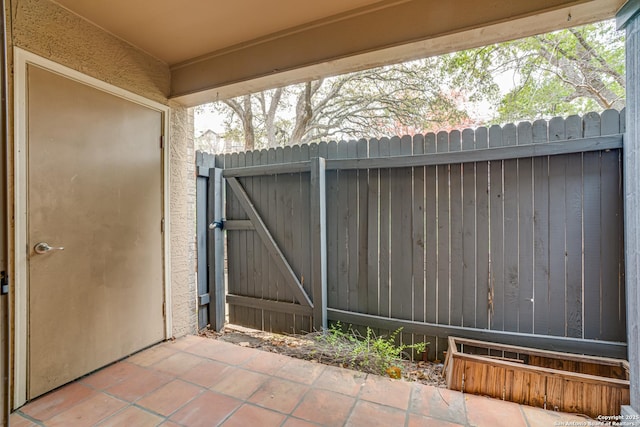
(23, 58)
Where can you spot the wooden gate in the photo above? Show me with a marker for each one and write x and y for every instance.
(273, 217)
(511, 234)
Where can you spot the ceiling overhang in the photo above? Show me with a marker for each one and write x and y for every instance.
(400, 32)
(252, 45)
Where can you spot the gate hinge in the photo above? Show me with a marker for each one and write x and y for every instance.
(217, 224)
(4, 283)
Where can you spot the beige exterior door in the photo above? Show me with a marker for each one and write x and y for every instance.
(94, 189)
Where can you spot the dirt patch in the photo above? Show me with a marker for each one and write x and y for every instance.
(307, 347)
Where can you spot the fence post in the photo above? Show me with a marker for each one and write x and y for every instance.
(203, 162)
(319, 242)
(215, 250)
(628, 18)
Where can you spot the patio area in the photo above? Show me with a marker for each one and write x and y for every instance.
(196, 381)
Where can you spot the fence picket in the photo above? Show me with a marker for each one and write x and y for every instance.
(401, 238)
(332, 229)
(557, 227)
(469, 289)
(296, 226)
(525, 233)
(385, 226)
(373, 232)
(541, 233)
(265, 262)
(274, 273)
(496, 209)
(483, 282)
(511, 246)
(343, 231)
(456, 230)
(613, 298)
(574, 245)
(431, 242)
(443, 236)
(352, 229)
(363, 229)
(254, 316)
(418, 239)
(282, 319)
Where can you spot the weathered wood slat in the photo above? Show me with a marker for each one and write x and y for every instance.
(574, 232)
(395, 218)
(557, 228)
(443, 239)
(541, 234)
(363, 229)
(456, 230)
(343, 232)
(404, 211)
(558, 147)
(268, 290)
(233, 240)
(612, 297)
(332, 229)
(385, 243)
(304, 323)
(352, 230)
(608, 142)
(295, 223)
(238, 224)
(418, 238)
(253, 287)
(272, 246)
(431, 242)
(269, 169)
(510, 199)
(283, 321)
(469, 274)
(401, 257)
(266, 304)
(525, 233)
(496, 223)
(242, 284)
(373, 231)
(610, 120)
(483, 282)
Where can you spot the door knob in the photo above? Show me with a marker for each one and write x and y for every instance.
(43, 248)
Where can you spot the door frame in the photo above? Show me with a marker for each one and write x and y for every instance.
(22, 59)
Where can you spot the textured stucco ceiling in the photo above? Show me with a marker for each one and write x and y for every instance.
(177, 30)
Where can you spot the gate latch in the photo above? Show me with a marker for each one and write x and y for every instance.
(217, 224)
(4, 283)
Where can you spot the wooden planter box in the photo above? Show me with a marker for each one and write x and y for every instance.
(556, 381)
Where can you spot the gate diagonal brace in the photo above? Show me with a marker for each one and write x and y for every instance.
(271, 245)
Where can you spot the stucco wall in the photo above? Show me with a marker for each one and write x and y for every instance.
(48, 30)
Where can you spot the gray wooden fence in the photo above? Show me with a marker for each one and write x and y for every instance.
(512, 234)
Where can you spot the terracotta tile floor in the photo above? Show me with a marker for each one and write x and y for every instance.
(196, 381)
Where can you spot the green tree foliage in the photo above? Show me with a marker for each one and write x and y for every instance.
(572, 71)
